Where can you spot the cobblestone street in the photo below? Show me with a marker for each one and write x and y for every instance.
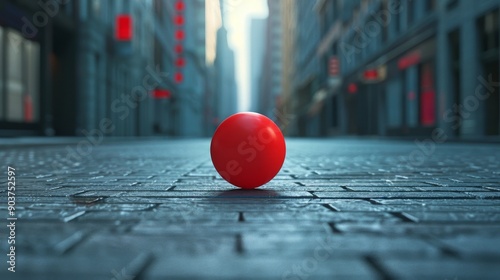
(151, 209)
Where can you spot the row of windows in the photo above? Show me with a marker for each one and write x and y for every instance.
(19, 81)
(374, 24)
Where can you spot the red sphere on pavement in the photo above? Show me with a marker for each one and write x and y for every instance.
(248, 150)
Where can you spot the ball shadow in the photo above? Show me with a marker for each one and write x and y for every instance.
(248, 194)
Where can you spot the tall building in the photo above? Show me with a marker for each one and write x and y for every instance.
(226, 96)
(270, 79)
(284, 106)
(257, 42)
(225, 101)
(193, 88)
(414, 68)
(93, 64)
(306, 80)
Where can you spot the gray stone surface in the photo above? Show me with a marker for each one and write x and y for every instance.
(339, 209)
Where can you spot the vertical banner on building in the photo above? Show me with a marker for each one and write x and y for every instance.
(124, 34)
(179, 36)
(123, 28)
(334, 72)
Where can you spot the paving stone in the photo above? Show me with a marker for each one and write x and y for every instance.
(441, 269)
(158, 210)
(455, 216)
(260, 268)
(392, 194)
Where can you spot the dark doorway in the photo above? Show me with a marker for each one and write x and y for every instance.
(454, 44)
(489, 41)
(62, 66)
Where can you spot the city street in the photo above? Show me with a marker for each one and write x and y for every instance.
(339, 208)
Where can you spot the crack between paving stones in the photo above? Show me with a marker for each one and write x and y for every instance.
(70, 242)
(330, 207)
(334, 228)
(445, 249)
(241, 218)
(312, 193)
(74, 216)
(138, 265)
(405, 217)
(347, 188)
(240, 249)
(373, 201)
(378, 268)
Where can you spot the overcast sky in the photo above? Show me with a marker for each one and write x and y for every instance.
(237, 16)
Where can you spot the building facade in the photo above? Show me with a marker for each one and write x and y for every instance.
(402, 68)
(257, 43)
(82, 76)
(270, 79)
(306, 77)
(284, 106)
(225, 101)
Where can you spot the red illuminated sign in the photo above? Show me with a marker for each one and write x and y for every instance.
(179, 6)
(370, 75)
(180, 62)
(161, 94)
(179, 35)
(123, 28)
(178, 48)
(333, 66)
(352, 88)
(409, 60)
(179, 20)
(178, 77)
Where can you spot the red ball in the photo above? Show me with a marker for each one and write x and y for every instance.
(248, 150)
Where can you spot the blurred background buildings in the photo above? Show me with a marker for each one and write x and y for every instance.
(391, 67)
(65, 68)
(316, 67)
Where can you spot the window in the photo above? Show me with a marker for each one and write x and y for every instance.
(32, 95)
(430, 5)
(487, 30)
(397, 16)
(69, 8)
(14, 94)
(384, 21)
(454, 45)
(337, 9)
(427, 94)
(411, 8)
(451, 5)
(95, 8)
(83, 9)
(19, 86)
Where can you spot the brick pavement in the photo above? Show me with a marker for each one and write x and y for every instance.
(339, 209)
